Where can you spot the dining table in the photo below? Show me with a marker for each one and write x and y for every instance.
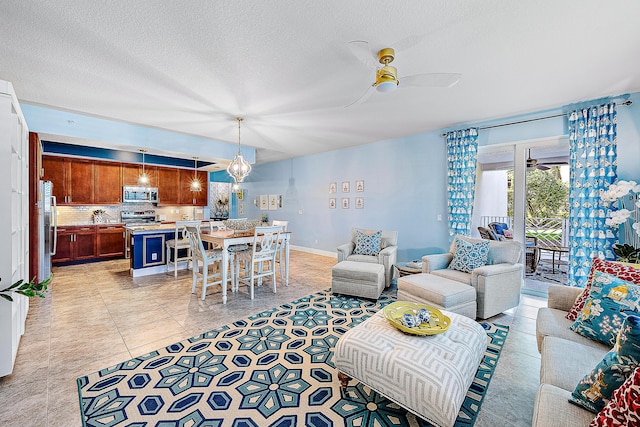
(227, 238)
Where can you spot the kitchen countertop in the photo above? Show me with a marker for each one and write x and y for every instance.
(152, 228)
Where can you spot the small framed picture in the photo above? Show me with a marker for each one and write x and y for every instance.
(273, 202)
(346, 187)
(240, 208)
(333, 187)
(345, 203)
(240, 194)
(360, 186)
(264, 202)
(359, 202)
(332, 203)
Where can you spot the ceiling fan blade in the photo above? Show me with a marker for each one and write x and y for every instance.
(362, 51)
(366, 95)
(445, 80)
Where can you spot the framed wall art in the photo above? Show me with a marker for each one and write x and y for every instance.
(332, 203)
(345, 203)
(346, 187)
(360, 186)
(264, 203)
(273, 202)
(359, 201)
(333, 187)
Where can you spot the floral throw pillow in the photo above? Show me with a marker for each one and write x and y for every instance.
(468, 256)
(596, 388)
(624, 272)
(611, 300)
(367, 244)
(624, 407)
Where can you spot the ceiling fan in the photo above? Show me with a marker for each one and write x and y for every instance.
(534, 164)
(387, 80)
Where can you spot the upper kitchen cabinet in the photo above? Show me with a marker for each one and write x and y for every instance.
(131, 173)
(108, 183)
(73, 179)
(168, 186)
(194, 198)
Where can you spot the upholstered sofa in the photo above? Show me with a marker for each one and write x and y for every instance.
(497, 283)
(387, 255)
(566, 357)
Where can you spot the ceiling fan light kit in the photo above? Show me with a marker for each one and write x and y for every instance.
(387, 75)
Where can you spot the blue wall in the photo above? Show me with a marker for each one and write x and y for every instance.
(405, 182)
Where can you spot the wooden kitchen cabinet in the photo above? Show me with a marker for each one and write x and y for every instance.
(55, 170)
(131, 173)
(108, 182)
(193, 198)
(73, 179)
(168, 186)
(75, 243)
(110, 241)
(81, 182)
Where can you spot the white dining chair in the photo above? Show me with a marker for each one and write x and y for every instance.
(179, 246)
(208, 259)
(280, 250)
(259, 258)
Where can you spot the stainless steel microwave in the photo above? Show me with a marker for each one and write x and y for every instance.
(139, 194)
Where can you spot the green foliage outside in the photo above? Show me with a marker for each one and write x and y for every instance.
(547, 195)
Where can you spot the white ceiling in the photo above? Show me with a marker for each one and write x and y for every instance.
(193, 66)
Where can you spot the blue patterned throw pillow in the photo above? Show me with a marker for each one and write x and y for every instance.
(611, 300)
(468, 256)
(367, 244)
(595, 389)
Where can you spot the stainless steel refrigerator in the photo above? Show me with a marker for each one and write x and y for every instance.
(47, 228)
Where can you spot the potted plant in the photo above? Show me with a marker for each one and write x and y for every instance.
(28, 289)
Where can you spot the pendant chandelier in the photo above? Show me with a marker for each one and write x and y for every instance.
(195, 182)
(239, 168)
(143, 179)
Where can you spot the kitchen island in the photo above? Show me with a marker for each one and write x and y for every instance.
(148, 249)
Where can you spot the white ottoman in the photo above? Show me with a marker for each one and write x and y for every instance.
(427, 375)
(439, 292)
(361, 279)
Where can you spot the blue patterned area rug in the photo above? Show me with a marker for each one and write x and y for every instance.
(272, 369)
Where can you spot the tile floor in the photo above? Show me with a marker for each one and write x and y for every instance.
(96, 315)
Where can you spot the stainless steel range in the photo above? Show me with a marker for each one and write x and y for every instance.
(138, 217)
(135, 218)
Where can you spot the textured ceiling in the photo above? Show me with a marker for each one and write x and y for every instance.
(192, 66)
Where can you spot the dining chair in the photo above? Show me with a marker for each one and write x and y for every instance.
(179, 245)
(259, 258)
(207, 258)
(280, 250)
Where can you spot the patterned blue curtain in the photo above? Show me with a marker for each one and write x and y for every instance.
(462, 153)
(592, 140)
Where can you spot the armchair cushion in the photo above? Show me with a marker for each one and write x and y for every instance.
(508, 251)
(468, 256)
(367, 243)
(386, 256)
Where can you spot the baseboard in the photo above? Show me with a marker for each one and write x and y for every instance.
(314, 251)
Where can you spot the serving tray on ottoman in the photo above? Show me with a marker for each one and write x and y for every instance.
(427, 375)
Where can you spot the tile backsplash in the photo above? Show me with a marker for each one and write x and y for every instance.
(81, 215)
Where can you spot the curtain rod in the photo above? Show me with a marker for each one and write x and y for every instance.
(625, 103)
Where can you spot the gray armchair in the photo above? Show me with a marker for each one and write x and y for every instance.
(387, 255)
(497, 284)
